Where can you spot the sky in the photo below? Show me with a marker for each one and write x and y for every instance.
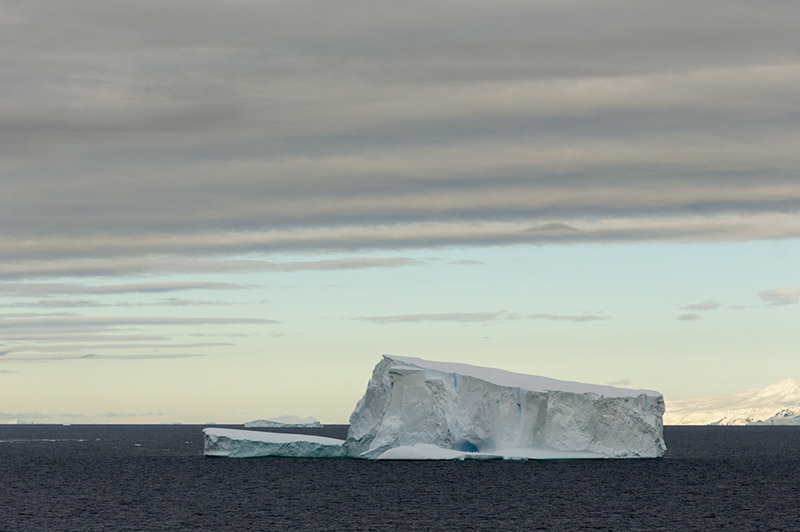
(225, 211)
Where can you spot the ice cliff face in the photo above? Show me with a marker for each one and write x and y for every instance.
(411, 401)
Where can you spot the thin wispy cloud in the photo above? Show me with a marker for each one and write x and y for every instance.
(552, 226)
(14, 315)
(60, 303)
(702, 306)
(96, 356)
(689, 316)
(467, 262)
(52, 289)
(569, 317)
(219, 335)
(93, 323)
(66, 336)
(178, 302)
(473, 317)
(30, 347)
(93, 356)
(458, 317)
(780, 296)
(87, 303)
(124, 265)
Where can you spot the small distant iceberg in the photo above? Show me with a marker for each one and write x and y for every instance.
(284, 421)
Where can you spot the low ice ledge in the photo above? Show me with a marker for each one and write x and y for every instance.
(533, 383)
(237, 443)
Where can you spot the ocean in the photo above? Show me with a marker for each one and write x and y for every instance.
(144, 477)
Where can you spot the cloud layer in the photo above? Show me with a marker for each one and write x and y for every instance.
(144, 134)
(145, 142)
(473, 317)
(780, 296)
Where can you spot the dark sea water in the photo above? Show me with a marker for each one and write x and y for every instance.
(101, 477)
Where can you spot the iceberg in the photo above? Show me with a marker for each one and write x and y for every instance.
(284, 421)
(236, 443)
(416, 409)
(464, 408)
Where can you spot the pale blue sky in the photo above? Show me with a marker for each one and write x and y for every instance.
(596, 313)
(219, 212)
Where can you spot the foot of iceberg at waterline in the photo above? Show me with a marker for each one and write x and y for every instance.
(427, 451)
(235, 443)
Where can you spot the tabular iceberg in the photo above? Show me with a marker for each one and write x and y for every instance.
(234, 443)
(465, 408)
(416, 409)
(285, 421)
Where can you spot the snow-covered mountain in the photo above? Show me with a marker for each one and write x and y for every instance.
(777, 404)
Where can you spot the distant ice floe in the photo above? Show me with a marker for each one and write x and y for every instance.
(284, 421)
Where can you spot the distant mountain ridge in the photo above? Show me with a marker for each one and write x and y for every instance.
(777, 404)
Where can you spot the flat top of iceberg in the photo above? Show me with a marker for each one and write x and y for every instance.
(518, 380)
(270, 437)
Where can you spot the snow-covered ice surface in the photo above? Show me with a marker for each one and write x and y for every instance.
(777, 404)
(284, 421)
(471, 409)
(235, 443)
